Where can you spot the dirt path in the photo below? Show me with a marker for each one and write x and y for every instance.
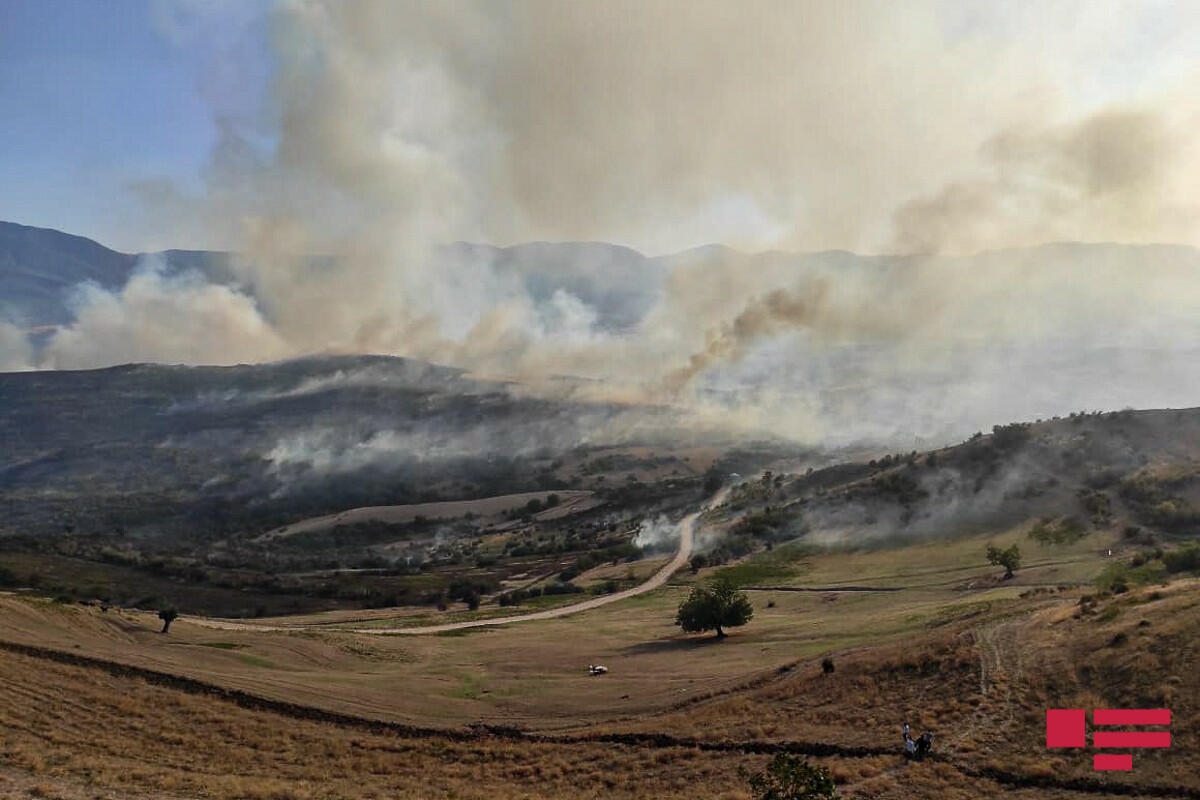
(687, 531)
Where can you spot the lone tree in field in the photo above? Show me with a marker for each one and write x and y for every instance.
(714, 607)
(790, 778)
(167, 615)
(1010, 559)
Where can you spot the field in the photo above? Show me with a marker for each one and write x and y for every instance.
(511, 712)
(874, 604)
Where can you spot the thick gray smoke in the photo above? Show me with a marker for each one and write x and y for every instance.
(942, 129)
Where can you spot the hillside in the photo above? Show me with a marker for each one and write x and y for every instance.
(1134, 472)
(243, 716)
(210, 451)
(40, 267)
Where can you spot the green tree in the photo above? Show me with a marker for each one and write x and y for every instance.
(167, 615)
(1010, 558)
(716, 606)
(790, 778)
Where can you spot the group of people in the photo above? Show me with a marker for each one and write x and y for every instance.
(918, 748)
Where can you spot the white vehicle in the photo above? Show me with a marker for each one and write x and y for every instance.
(597, 669)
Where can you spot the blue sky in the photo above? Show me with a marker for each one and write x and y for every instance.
(559, 120)
(97, 95)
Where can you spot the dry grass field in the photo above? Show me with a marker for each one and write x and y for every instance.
(510, 711)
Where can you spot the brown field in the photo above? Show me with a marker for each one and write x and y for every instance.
(510, 712)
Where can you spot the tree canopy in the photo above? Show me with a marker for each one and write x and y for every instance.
(716, 606)
(1010, 558)
(167, 615)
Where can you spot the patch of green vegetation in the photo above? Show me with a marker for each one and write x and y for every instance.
(900, 486)
(221, 645)
(1183, 559)
(1097, 504)
(468, 631)
(255, 661)
(959, 611)
(1154, 500)
(1119, 576)
(469, 688)
(772, 565)
(1066, 530)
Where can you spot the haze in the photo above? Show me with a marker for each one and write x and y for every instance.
(338, 149)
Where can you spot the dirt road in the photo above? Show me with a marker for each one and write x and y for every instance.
(687, 531)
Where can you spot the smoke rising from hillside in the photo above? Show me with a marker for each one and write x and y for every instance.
(940, 129)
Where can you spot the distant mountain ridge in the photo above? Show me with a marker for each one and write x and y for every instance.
(40, 267)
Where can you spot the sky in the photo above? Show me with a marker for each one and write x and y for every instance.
(953, 138)
(99, 97)
(801, 126)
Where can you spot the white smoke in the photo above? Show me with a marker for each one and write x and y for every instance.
(394, 128)
(656, 534)
(16, 353)
(165, 318)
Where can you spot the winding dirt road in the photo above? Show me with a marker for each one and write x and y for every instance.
(687, 532)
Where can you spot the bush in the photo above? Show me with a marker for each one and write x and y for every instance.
(1067, 530)
(1010, 437)
(560, 588)
(790, 778)
(1184, 559)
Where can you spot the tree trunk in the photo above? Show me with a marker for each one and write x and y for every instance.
(720, 633)
(166, 624)
(1008, 573)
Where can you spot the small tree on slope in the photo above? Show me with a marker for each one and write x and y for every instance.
(1010, 559)
(714, 607)
(167, 615)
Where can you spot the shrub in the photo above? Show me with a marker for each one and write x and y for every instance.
(1184, 559)
(790, 778)
(1067, 530)
(1010, 437)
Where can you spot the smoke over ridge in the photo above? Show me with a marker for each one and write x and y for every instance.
(936, 131)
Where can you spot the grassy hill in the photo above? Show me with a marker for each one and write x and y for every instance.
(1136, 472)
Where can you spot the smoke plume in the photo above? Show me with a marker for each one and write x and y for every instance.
(389, 130)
